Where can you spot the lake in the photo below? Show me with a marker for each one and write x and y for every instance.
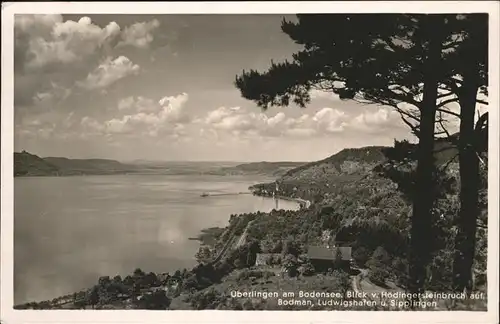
(68, 231)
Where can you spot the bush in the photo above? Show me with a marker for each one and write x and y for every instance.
(277, 247)
(400, 271)
(380, 258)
(248, 305)
(191, 283)
(380, 266)
(268, 274)
(273, 260)
(156, 300)
(361, 255)
(204, 254)
(223, 268)
(93, 296)
(291, 247)
(378, 275)
(342, 281)
(210, 299)
(243, 275)
(307, 269)
(139, 273)
(291, 265)
(257, 274)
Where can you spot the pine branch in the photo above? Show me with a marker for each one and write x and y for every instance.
(482, 120)
(449, 112)
(446, 148)
(440, 121)
(480, 160)
(447, 101)
(413, 128)
(444, 95)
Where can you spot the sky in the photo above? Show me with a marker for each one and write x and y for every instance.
(161, 87)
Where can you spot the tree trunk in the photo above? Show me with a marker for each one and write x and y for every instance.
(423, 199)
(465, 240)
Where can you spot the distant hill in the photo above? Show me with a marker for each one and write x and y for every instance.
(347, 166)
(360, 160)
(352, 158)
(350, 162)
(85, 166)
(261, 168)
(181, 167)
(275, 169)
(26, 164)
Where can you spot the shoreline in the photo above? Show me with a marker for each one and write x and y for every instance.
(142, 172)
(204, 237)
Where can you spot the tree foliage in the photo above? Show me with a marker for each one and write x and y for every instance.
(156, 300)
(409, 62)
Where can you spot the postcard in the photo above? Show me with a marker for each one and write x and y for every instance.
(278, 161)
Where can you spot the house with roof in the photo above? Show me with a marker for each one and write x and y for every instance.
(325, 257)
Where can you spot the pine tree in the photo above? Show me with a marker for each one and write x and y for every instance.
(385, 59)
(467, 64)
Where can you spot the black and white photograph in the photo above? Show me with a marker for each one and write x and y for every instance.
(251, 161)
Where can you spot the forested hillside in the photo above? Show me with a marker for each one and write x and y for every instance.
(361, 198)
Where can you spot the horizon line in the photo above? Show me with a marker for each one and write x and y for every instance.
(160, 161)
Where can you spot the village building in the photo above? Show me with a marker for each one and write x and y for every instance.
(324, 258)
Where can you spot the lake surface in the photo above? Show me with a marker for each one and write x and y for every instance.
(68, 231)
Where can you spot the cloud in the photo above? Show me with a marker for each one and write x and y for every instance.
(126, 103)
(42, 126)
(139, 34)
(41, 97)
(47, 40)
(330, 120)
(69, 120)
(217, 115)
(52, 94)
(323, 123)
(302, 132)
(108, 72)
(139, 104)
(382, 116)
(172, 108)
(91, 124)
(237, 121)
(373, 121)
(26, 22)
(48, 48)
(319, 94)
(147, 117)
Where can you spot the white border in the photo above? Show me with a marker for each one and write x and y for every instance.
(9, 315)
